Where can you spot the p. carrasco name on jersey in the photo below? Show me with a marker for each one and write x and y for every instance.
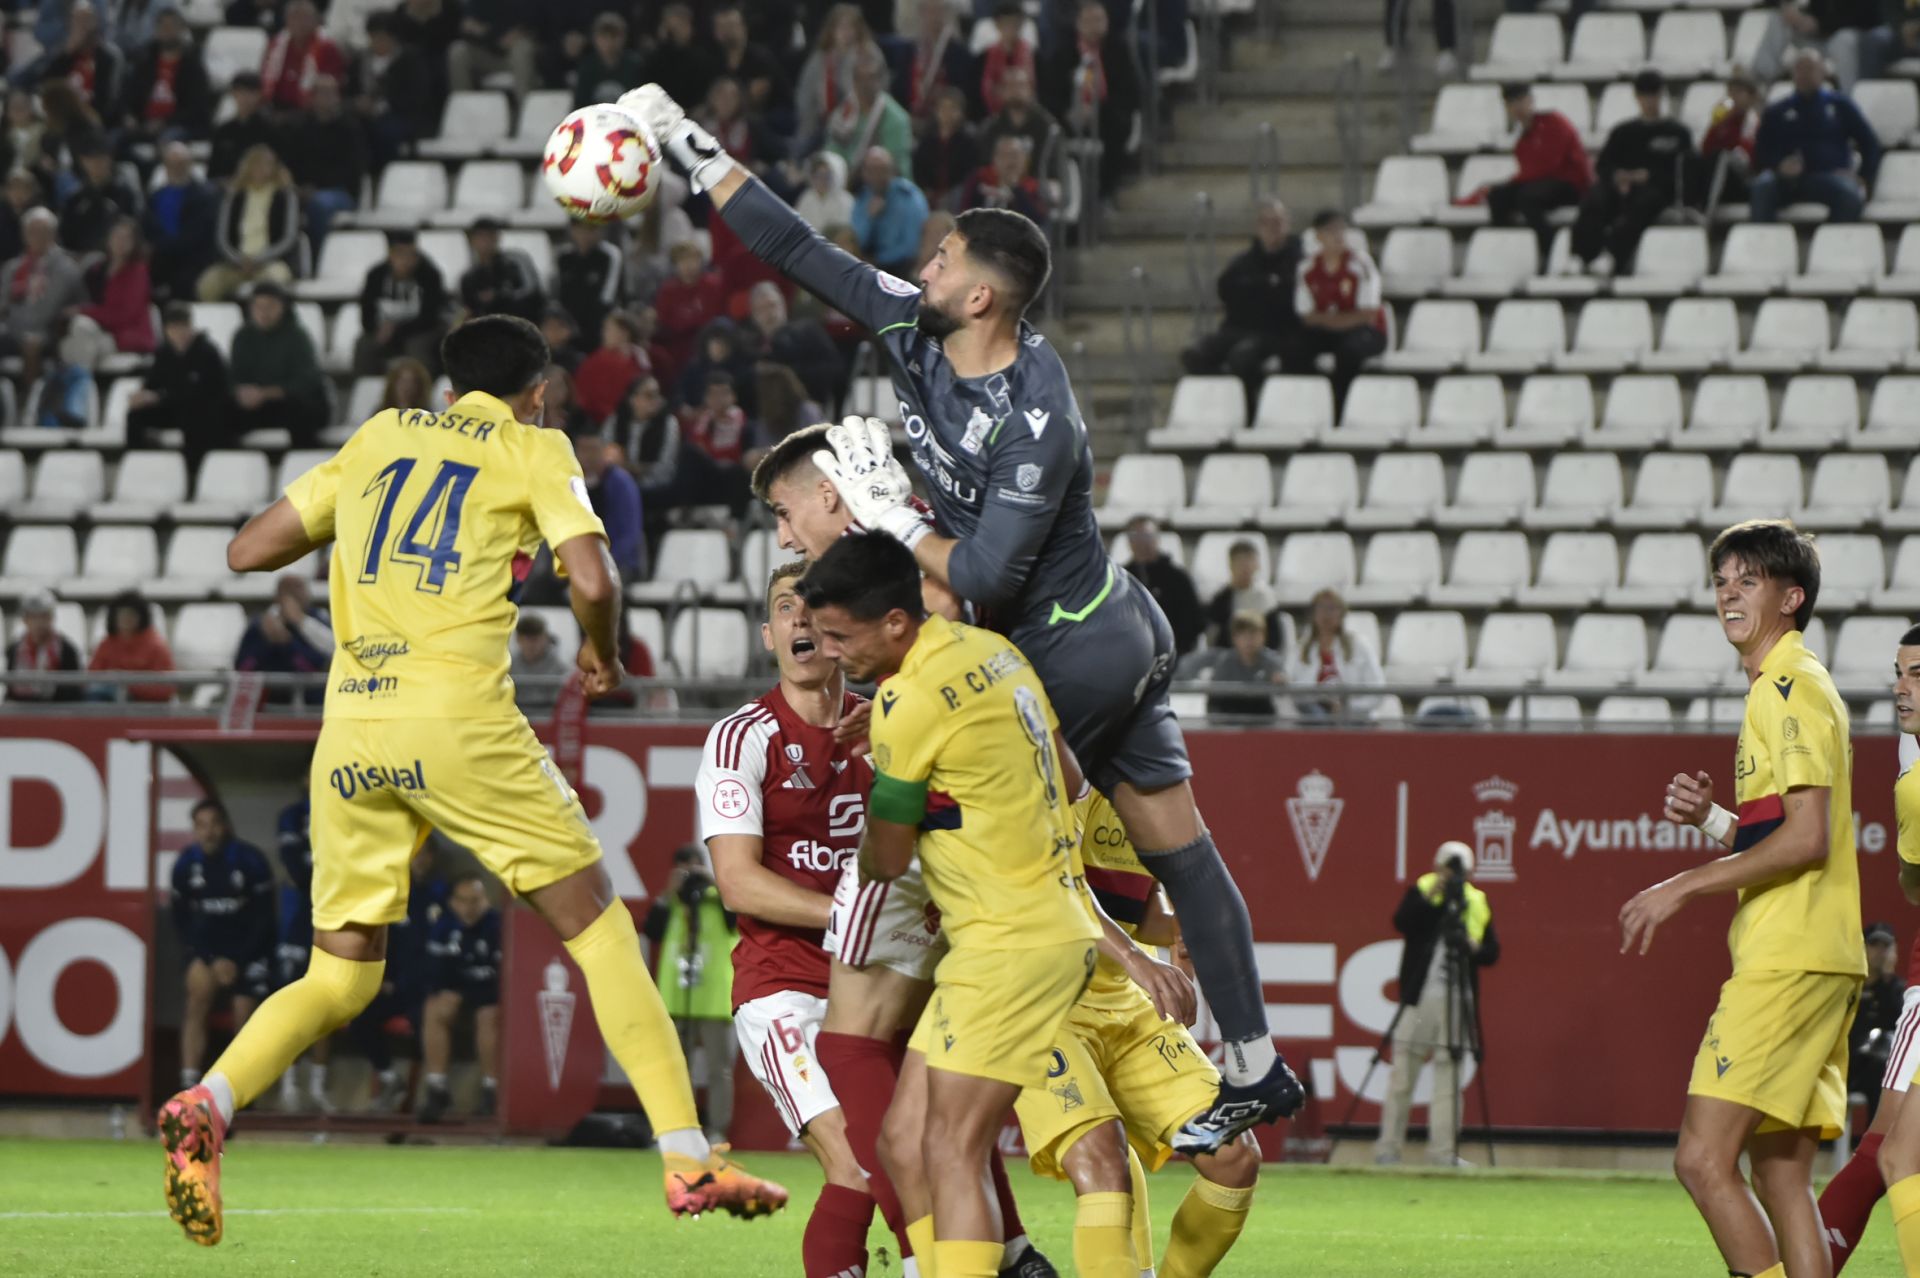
(933, 459)
(354, 778)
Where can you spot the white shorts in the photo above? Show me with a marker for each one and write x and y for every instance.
(892, 924)
(777, 1036)
(1903, 1058)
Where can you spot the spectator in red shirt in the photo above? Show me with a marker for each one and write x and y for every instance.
(133, 643)
(298, 56)
(602, 379)
(1554, 168)
(687, 301)
(120, 316)
(1337, 295)
(1728, 142)
(1007, 183)
(1010, 50)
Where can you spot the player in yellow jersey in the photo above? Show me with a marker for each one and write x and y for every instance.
(1770, 1077)
(1121, 1080)
(426, 513)
(967, 773)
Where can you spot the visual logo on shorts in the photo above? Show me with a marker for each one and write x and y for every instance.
(1058, 1065)
(374, 687)
(375, 651)
(351, 779)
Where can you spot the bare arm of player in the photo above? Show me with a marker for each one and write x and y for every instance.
(748, 887)
(886, 849)
(1158, 926)
(1801, 840)
(937, 599)
(1169, 989)
(727, 187)
(272, 539)
(593, 587)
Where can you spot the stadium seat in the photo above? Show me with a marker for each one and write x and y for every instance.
(1172, 545)
(1670, 491)
(1581, 490)
(1615, 105)
(1718, 714)
(1688, 44)
(1524, 46)
(1892, 107)
(1488, 567)
(470, 123)
(227, 51)
(1631, 712)
(539, 114)
(411, 192)
(1453, 711)
(1548, 710)
(1523, 336)
(1492, 491)
(1905, 515)
(207, 635)
(1642, 411)
(1902, 591)
(146, 485)
(1477, 172)
(221, 320)
(1788, 334)
(116, 559)
(1439, 334)
(195, 566)
(1853, 571)
(1499, 262)
(1466, 117)
(1397, 570)
(1896, 189)
(1605, 46)
(1757, 258)
(538, 246)
(1696, 334)
(760, 553)
(112, 430)
(1609, 336)
(1729, 413)
(231, 485)
(1143, 484)
(1463, 412)
(1602, 652)
(1228, 492)
(1208, 564)
(1863, 651)
(496, 187)
(13, 480)
(709, 642)
(1426, 647)
(1406, 189)
(1876, 335)
(1891, 416)
(341, 338)
(1574, 568)
(1663, 571)
(699, 558)
(345, 258)
(1698, 104)
(650, 628)
(448, 250)
(1671, 260)
(1570, 100)
(1292, 411)
(1415, 261)
(1310, 562)
(561, 625)
(1842, 261)
(1317, 490)
(1846, 492)
(1403, 490)
(1693, 654)
(1904, 279)
(38, 556)
(1514, 649)
(1757, 487)
(64, 485)
(1553, 411)
(1816, 414)
(1205, 413)
(363, 400)
(296, 463)
(1381, 411)
(1748, 33)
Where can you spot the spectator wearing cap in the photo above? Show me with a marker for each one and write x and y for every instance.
(888, 211)
(588, 277)
(185, 389)
(1642, 171)
(949, 150)
(501, 281)
(330, 157)
(89, 62)
(41, 649)
(608, 66)
(403, 309)
(36, 289)
(615, 496)
(258, 231)
(1337, 296)
(180, 221)
(1009, 52)
(534, 657)
(495, 36)
(289, 636)
(168, 94)
(750, 63)
(101, 199)
(245, 128)
(277, 380)
(1807, 147)
(1553, 169)
(825, 200)
(132, 642)
(393, 91)
(603, 376)
(297, 57)
(1007, 183)
(799, 344)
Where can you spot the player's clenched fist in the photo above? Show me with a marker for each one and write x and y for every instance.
(599, 676)
(692, 149)
(1689, 798)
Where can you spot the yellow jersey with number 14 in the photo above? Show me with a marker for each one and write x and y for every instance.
(963, 748)
(426, 512)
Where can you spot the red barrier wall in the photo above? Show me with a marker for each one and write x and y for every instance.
(1322, 831)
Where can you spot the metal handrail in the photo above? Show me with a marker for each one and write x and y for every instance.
(1209, 52)
(1144, 16)
(1263, 164)
(1350, 124)
(1202, 263)
(1138, 310)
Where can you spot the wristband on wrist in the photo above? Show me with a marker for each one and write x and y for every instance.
(1717, 824)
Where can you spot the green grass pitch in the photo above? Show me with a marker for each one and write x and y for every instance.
(93, 1207)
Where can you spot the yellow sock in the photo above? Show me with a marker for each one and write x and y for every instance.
(1773, 1271)
(965, 1259)
(920, 1234)
(1904, 1197)
(333, 992)
(1142, 1216)
(1103, 1237)
(1209, 1220)
(633, 1020)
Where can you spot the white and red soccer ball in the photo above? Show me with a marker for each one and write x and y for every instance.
(602, 164)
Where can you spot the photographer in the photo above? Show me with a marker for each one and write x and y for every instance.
(693, 935)
(1450, 937)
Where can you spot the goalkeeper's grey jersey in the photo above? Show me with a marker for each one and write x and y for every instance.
(1006, 458)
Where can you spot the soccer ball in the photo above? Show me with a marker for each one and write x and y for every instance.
(602, 164)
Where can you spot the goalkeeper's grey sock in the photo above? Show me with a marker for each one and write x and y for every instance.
(1219, 937)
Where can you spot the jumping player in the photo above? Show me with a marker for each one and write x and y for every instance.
(1770, 1077)
(994, 427)
(426, 513)
(1848, 1200)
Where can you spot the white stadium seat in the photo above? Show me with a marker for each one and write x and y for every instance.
(1842, 260)
(38, 556)
(1904, 280)
(1292, 411)
(411, 192)
(207, 635)
(1816, 413)
(1758, 487)
(221, 320)
(1406, 189)
(1892, 107)
(1318, 489)
(1404, 489)
(563, 628)
(1492, 491)
(1523, 335)
(1143, 484)
(1228, 492)
(1397, 570)
(1643, 411)
(1863, 651)
(470, 123)
(539, 114)
(1698, 104)
(195, 566)
(1426, 647)
(1438, 335)
(1845, 492)
(1670, 260)
(1692, 654)
(117, 559)
(1688, 44)
(345, 259)
(700, 556)
(1902, 592)
(1602, 651)
(1574, 568)
(1570, 100)
(1381, 410)
(711, 642)
(1206, 412)
(1729, 412)
(1896, 189)
(146, 485)
(13, 480)
(1605, 46)
(1581, 490)
(1609, 336)
(1488, 567)
(1891, 415)
(1853, 571)
(1476, 173)
(296, 463)
(1697, 333)
(1514, 649)
(1788, 334)
(1549, 711)
(1416, 260)
(1208, 564)
(1553, 411)
(231, 485)
(1524, 46)
(1499, 261)
(1466, 117)
(496, 187)
(1757, 258)
(448, 250)
(231, 50)
(1877, 334)
(1664, 570)
(64, 484)
(1615, 106)
(1310, 562)
(1748, 34)
(1628, 712)
(1463, 412)
(1670, 491)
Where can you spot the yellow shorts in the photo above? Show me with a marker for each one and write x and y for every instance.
(1113, 1063)
(996, 1013)
(379, 785)
(1777, 1043)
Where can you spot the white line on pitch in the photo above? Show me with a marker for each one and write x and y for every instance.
(244, 1211)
